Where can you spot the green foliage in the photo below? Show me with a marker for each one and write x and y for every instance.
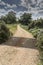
(36, 28)
(40, 45)
(40, 39)
(25, 19)
(10, 18)
(39, 64)
(24, 27)
(12, 27)
(34, 32)
(36, 24)
(31, 25)
(4, 18)
(39, 23)
(4, 32)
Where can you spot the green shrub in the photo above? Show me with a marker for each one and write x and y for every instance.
(34, 31)
(40, 45)
(4, 32)
(36, 24)
(40, 39)
(31, 25)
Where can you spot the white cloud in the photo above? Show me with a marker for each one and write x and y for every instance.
(11, 6)
(2, 10)
(2, 3)
(24, 3)
(33, 6)
(0, 0)
(8, 5)
(31, 9)
(33, 1)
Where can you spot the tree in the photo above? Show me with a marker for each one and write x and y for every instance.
(4, 18)
(38, 23)
(25, 18)
(10, 18)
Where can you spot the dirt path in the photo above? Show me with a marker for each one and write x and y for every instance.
(19, 50)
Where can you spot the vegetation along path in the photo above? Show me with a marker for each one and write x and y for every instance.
(19, 50)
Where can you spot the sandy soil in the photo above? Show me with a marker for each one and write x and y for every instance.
(19, 50)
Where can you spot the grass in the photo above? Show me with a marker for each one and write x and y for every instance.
(12, 27)
(24, 27)
(39, 64)
(34, 31)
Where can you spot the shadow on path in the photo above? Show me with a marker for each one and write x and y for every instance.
(21, 42)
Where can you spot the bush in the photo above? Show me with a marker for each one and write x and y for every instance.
(36, 23)
(34, 31)
(31, 25)
(4, 32)
(40, 45)
(40, 39)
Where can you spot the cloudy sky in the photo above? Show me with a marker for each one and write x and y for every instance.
(20, 6)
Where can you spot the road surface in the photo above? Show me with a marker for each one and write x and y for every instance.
(19, 50)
